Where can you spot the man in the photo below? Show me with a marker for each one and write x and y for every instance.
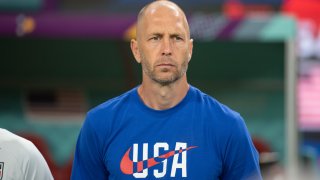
(164, 128)
(20, 159)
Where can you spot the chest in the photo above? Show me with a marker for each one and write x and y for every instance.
(174, 148)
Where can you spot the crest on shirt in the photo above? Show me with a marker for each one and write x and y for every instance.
(1, 169)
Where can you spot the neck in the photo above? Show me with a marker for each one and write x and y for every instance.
(161, 97)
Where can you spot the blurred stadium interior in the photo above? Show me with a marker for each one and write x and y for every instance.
(59, 58)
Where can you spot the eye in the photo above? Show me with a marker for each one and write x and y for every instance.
(178, 38)
(155, 38)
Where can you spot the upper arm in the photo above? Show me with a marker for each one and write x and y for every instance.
(88, 159)
(241, 160)
(35, 166)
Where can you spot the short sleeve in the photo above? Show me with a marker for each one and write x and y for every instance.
(241, 159)
(88, 159)
(35, 166)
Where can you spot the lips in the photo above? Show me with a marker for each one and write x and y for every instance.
(165, 65)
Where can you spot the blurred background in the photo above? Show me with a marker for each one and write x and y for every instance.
(59, 58)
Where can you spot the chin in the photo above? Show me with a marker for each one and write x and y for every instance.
(166, 80)
(168, 77)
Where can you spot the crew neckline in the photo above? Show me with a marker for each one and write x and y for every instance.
(164, 112)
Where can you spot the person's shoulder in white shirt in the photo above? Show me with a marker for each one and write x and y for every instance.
(20, 159)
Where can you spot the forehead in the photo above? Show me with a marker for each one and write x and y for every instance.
(164, 23)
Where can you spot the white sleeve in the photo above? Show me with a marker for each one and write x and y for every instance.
(35, 165)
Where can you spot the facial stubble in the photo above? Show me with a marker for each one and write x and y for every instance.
(176, 72)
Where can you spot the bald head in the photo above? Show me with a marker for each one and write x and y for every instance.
(164, 7)
(163, 45)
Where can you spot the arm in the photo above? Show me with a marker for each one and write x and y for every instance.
(88, 159)
(241, 160)
(35, 166)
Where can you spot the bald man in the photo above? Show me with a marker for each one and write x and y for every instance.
(164, 128)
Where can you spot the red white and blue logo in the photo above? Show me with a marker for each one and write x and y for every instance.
(1, 169)
(139, 169)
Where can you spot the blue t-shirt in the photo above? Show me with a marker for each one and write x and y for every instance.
(199, 139)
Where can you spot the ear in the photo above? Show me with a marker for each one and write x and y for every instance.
(190, 48)
(135, 50)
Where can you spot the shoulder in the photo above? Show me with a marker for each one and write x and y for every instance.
(23, 153)
(14, 141)
(222, 121)
(19, 146)
(112, 105)
(214, 107)
(101, 119)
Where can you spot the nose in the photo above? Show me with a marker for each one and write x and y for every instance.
(166, 48)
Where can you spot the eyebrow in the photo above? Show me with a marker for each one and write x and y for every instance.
(156, 34)
(171, 35)
(176, 35)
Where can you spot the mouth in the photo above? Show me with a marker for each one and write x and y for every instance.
(165, 65)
